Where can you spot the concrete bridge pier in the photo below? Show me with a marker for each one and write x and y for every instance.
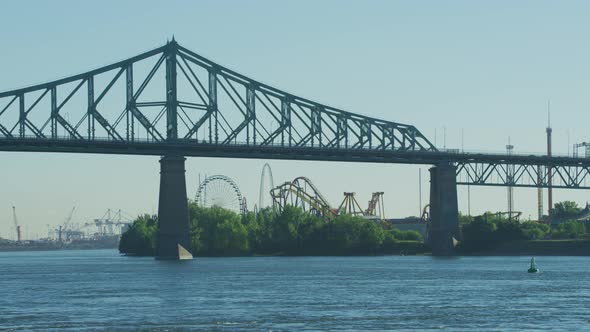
(173, 239)
(444, 211)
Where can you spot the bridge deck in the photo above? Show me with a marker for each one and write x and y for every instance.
(472, 168)
(277, 151)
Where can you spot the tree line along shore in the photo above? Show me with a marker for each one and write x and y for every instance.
(218, 232)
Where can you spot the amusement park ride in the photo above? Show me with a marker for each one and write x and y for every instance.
(301, 192)
(221, 191)
(224, 192)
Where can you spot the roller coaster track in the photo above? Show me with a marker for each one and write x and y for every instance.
(303, 193)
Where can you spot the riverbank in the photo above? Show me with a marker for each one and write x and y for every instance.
(87, 244)
(398, 248)
(537, 248)
(418, 248)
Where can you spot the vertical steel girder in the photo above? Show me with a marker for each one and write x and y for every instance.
(286, 121)
(212, 107)
(90, 82)
(22, 116)
(251, 114)
(129, 119)
(54, 113)
(342, 131)
(171, 94)
(316, 125)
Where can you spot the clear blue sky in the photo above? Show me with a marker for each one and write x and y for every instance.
(483, 67)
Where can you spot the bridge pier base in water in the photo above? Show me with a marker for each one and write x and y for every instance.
(173, 239)
(444, 211)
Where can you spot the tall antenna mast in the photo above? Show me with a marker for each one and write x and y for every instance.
(548, 113)
(549, 168)
(510, 178)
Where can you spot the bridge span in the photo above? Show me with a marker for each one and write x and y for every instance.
(174, 103)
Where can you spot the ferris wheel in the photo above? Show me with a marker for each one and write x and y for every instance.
(220, 191)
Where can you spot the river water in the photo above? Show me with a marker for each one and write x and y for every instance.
(100, 290)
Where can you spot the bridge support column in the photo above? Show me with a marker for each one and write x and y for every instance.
(173, 239)
(444, 211)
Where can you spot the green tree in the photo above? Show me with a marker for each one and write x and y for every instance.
(261, 231)
(569, 230)
(285, 229)
(354, 235)
(463, 219)
(230, 238)
(218, 232)
(478, 235)
(409, 235)
(370, 238)
(140, 237)
(221, 231)
(310, 233)
(389, 242)
(343, 234)
(534, 230)
(508, 231)
(565, 209)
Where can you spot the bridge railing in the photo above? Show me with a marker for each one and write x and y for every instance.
(503, 153)
(452, 153)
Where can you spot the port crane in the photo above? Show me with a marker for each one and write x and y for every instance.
(109, 221)
(67, 226)
(16, 225)
(64, 229)
(69, 218)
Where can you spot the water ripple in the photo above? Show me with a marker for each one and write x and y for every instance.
(102, 291)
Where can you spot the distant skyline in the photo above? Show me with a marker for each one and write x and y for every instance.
(480, 72)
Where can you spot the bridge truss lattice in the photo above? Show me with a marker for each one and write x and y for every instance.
(173, 94)
(171, 100)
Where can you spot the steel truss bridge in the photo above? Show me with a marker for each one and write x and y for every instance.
(172, 102)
